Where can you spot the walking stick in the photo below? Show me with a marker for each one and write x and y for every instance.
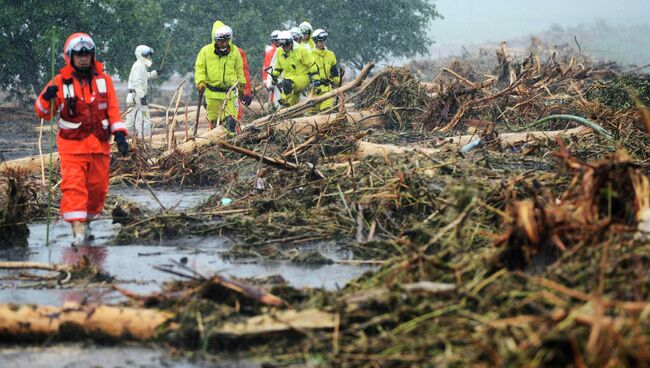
(198, 112)
(49, 177)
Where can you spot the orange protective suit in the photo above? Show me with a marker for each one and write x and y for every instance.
(88, 113)
(248, 88)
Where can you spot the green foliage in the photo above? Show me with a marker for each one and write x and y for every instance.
(360, 31)
(373, 30)
(27, 28)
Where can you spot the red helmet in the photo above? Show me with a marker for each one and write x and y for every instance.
(77, 42)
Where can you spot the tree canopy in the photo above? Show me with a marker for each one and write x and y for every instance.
(27, 30)
(360, 31)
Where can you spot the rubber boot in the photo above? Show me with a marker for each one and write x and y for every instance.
(231, 125)
(88, 234)
(78, 233)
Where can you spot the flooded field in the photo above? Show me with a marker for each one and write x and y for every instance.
(132, 267)
(82, 356)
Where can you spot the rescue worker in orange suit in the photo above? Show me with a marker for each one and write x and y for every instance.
(83, 98)
(247, 97)
(269, 61)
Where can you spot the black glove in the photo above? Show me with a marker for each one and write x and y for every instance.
(287, 86)
(122, 144)
(314, 84)
(246, 100)
(160, 72)
(50, 93)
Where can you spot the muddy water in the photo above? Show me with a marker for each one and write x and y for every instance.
(133, 265)
(79, 356)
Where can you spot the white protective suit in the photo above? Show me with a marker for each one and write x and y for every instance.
(138, 119)
(274, 92)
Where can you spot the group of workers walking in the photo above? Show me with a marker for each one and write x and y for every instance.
(298, 62)
(83, 98)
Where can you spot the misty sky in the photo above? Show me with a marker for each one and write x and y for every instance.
(476, 21)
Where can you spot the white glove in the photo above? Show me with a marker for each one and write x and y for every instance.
(269, 83)
(130, 99)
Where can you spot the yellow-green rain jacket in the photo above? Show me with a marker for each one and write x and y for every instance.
(309, 44)
(297, 63)
(327, 68)
(219, 72)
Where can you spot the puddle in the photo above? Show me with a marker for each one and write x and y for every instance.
(81, 356)
(177, 200)
(132, 265)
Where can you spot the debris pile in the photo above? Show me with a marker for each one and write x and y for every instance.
(507, 203)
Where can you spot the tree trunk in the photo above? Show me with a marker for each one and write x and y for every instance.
(40, 322)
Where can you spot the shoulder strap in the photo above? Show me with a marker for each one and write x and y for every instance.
(68, 94)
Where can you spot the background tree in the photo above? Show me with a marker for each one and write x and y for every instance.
(26, 29)
(361, 31)
(373, 30)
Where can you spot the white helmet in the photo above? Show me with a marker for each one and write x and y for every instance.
(274, 35)
(222, 33)
(319, 35)
(285, 37)
(305, 28)
(295, 32)
(144, 51)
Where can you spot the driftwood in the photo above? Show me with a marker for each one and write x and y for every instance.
(282, 321)
(34, 266)
(305, 125)
(277, 162)
(237, 286)
(365, 149)
(40, 322)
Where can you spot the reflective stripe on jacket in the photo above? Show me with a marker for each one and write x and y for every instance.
(88, 111)
(248, 87)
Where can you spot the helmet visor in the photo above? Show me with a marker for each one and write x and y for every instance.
(83, 46)
(284, 42)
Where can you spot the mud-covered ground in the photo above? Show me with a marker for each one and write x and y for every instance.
(20, 131)
(485, 253)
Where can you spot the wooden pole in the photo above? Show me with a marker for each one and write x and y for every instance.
(40, 322)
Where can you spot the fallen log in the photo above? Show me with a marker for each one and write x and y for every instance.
(297, 108)
(30, 164)
(366, 149)
(34, 266)
(277, 162)
(304, 125)
(40, 322)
